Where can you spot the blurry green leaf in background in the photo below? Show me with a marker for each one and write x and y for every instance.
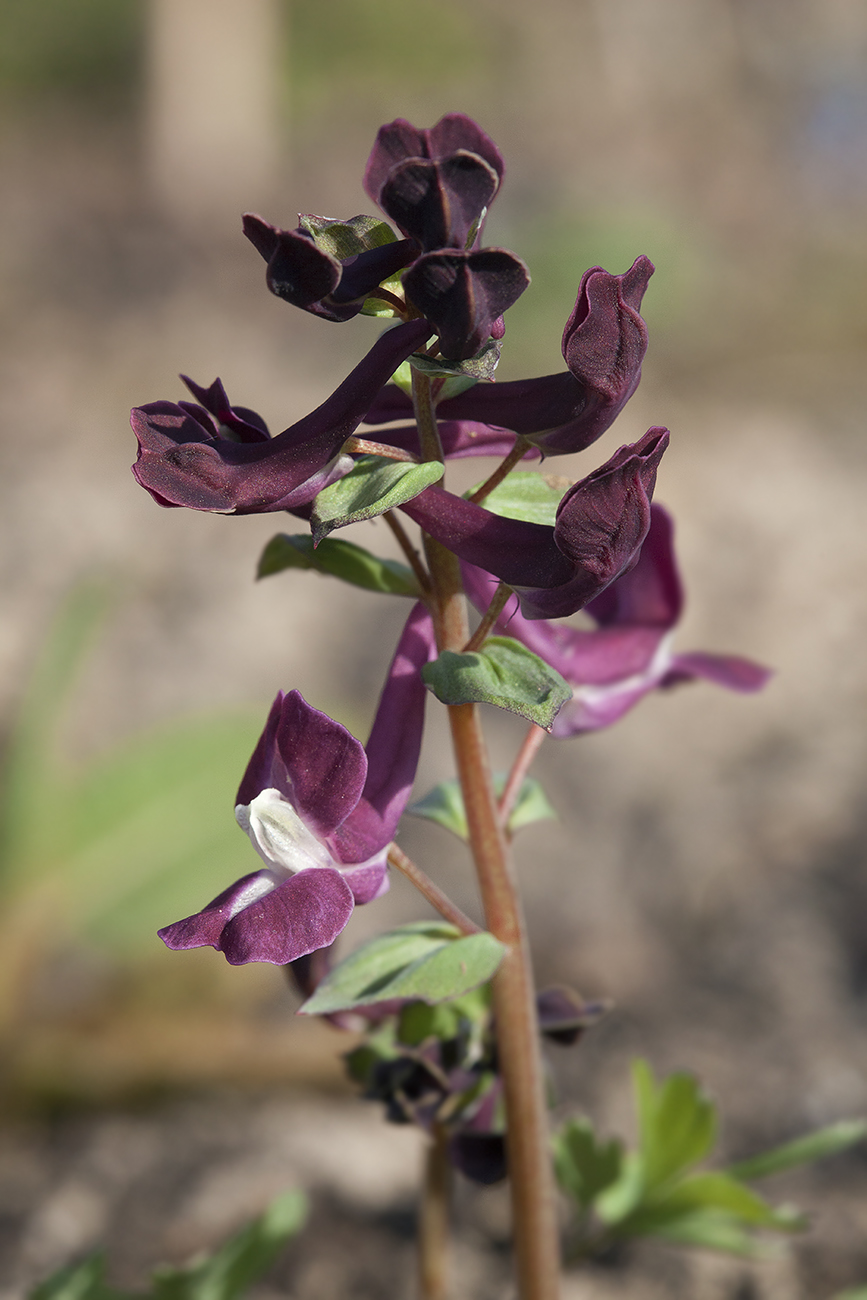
(104, 852)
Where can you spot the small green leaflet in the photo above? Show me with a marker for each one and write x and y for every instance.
(504, 673)
(426, 961)
(445, 805)
(585, 1166)
(339, 559)
(525, 495)
(373, 486)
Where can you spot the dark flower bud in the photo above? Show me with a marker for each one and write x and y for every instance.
(600, 526)
(317, 278)
(439, 203)
(464, 295)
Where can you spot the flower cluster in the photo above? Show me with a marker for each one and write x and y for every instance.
(319, 808)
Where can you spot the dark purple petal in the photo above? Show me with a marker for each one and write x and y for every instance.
(393, 747)
(366, 270)
(369, 880)
(601, 523)
(521, 554)
(464, 294)
(481, 1157)
(205, 928)
(604, 344)
(302, 914)
(439, 202)
(399, 140)
(731, 671)
(247, 425)
(181, 466)
(564, 1015)
(265, 770)
(651, 593)
(325, 765)
(460, 438)
(305, 275)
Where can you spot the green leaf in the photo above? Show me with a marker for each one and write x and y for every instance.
(373, 486)
(233, 1269)
(859, 1293)
(813, 1146)
(712, 1191)
(526, 495)
(709, 1230)
(427, 961)
(451, 387)
(481, 366)
(82, 1281)
(342, 239)
(504, 673)
(339, 559)
(445, 805)
(584, 1165)
(677, 1124)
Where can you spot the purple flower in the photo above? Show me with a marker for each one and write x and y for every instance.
(196, 457)
(604, 343)
(436, 182)
(629, 653)
(309, 276)
(320, 810)
(600, 526)
(464, 294)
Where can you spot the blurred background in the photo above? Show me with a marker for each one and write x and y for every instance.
(707, 873)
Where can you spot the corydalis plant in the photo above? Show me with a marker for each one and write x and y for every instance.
(453, 1017)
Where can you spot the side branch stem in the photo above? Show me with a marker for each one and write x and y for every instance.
(530, 1169)
(433, 1226)
(434, 895)
(515, 456)
(521, 766)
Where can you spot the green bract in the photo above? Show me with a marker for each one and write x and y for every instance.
(525, 495)
(339, 559)
(373, 486)
(427, 961)
(503, 673)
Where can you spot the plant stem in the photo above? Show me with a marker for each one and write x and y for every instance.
(515, 456)
(521, 766)
(531, 1177)
(364, 447)
(408, 549)
(492, 613)
(434, 895)
(433, 1222)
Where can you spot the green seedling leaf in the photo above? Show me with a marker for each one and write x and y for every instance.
(709, 1230)
(445, 806)
(526, 495)
(504, 673)
(859, 1293)
(677, 1125)
(802, 1151)
(229, 1273)
(712, 1191)
(82, 1281)
(428, 962)
(373, 486)
(338, 559)
(482, 366)
(585, 1166)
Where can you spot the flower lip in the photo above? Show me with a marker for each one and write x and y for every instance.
(183, 462)
(399, 140)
